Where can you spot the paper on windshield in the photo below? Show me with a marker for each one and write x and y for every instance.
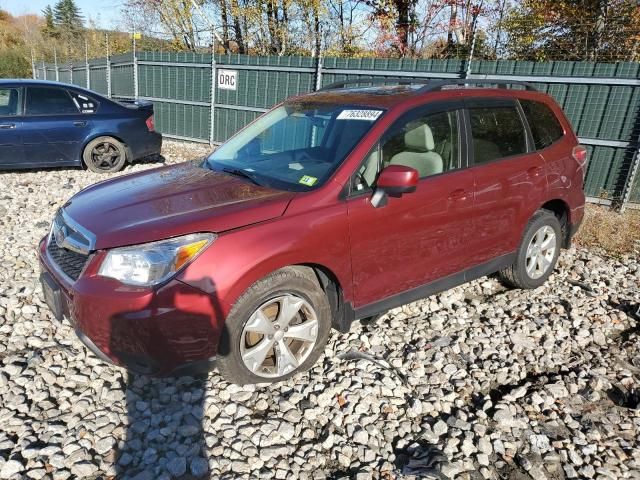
(369, 115)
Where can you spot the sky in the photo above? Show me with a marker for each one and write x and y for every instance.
(104, 12)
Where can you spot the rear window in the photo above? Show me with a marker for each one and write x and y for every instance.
(49, 101)
(545, 127)
(497, 132)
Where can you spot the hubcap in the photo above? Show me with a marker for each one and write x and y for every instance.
(279, 336)
(540, 252)
(105, 155)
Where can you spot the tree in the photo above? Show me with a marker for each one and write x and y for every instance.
(67, 18)
(594, 30)
(49, 27)
(13, 65)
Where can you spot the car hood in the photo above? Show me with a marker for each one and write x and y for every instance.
(170, 201)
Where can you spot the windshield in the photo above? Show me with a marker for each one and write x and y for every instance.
(296, 146)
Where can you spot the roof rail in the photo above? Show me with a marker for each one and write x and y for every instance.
(398, 80)
(430, 85)
(441, 84)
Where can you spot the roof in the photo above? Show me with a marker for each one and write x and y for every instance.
(378, 96)
(387, 96)
(31, 81)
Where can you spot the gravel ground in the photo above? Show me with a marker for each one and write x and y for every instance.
(478, 382)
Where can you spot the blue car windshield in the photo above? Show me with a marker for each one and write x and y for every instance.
(296, 146)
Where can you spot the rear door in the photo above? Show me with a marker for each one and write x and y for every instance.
(510, 183)
(11, 152)
(54, 128)
(422, 236)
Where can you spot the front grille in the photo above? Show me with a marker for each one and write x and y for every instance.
(71, 263)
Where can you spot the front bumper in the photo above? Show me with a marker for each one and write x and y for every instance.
(170, 330)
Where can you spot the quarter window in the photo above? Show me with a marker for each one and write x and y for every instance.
(544, 125)
(83, 102)
(49, 101)
(497, 132)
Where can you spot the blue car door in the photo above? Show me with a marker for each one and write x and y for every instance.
(54, 129)
(11, 151)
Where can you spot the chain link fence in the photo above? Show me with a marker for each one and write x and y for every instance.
(602, 100)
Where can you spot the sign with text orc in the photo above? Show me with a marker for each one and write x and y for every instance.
(227, 79)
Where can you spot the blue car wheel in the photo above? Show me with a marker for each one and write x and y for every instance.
(105, 155)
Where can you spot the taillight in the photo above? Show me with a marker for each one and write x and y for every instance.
(580, 155)
(150, 124)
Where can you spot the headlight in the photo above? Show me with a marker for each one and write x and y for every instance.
(152, 263)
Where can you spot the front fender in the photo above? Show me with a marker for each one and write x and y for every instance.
(239, 258)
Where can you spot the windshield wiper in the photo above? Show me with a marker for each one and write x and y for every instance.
(238, 172)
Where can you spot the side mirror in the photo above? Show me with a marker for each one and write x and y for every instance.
(394, 181)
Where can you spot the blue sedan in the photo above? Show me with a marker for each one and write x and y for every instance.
(50, 124)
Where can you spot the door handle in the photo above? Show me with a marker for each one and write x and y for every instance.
(458, 195)
(80, 123)
(6, 126)
(534, 171)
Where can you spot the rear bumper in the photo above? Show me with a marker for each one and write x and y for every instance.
(149, 144)
(171, 330)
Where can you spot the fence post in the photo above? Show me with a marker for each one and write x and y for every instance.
(70, 72)
(44, 71)
(106, 35)
(628, 184)
(212, 108)
(86, 65)
(135, 72)
(471, 52)
(318, 85)
(55, 62)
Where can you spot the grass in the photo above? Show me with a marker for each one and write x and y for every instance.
(606, 229)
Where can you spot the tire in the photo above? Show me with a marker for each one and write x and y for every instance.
(245, 329)
(104, 155)
(526, 272)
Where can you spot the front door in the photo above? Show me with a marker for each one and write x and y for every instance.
(11, 152)
(54, 129)
(422, 236)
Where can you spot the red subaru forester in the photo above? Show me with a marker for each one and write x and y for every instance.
(333, 206)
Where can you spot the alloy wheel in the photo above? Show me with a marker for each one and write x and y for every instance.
(540, 252)
(279, 336)
(105, 155)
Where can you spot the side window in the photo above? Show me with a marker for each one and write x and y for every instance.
(497, 132)
(9, 101)
(83, 102)
(428, 143)
(49, 101)
(544, 125)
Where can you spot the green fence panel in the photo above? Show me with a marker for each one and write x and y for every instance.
(80, 77)
(173, 82)
(98, 79)
(605, 171)
(227, 122)
(122, 80)
(64, 75)
(189, 121)
(264, 88)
